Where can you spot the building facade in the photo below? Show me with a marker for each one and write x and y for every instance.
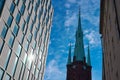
(25, 27)
(110, 37)
(79, 68)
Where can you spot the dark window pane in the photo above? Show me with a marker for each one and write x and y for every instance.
(18, 18)
(10, 43)
(1, 5)
(4, 31)
(1, 45)
(22, 9)
(15, 30)
(12, 7)
(9, 21)
(1, 74)
(7, 59)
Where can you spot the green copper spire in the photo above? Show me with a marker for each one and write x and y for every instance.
(79, 54)
(69, 55)
(88, 57)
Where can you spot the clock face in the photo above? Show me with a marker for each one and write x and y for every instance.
(74, 66)
(84, 67)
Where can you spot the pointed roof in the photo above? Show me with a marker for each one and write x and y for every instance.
(79, 54)
(69, 55)
(88, 57)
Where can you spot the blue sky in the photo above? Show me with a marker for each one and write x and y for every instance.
(63, 30)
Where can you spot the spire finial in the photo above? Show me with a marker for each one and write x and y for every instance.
(88, 57)
(69, 54)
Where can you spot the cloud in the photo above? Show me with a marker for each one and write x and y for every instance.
(52, 71)
(70, 20)
(93, 37)
(67, 5)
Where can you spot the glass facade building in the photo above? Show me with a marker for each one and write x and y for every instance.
(25, 27)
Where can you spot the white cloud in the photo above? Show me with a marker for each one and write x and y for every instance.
(52, 71)
(70, 20)
(67, 5)
(93, 37)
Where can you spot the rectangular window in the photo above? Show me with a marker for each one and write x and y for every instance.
(23, 26)
(25, 57)
(16, 2)
(14, 66)
(7, 59)
(2, 2)
(30, 37)
(22, 9)
(1, 45)
(7, 77)
(31, 27)
(35, 33)
(9, 21)
(4, 31)
(1, 73)
(15, 30)
(22, 38)
(12, 7)
(18, 50)
(26, 46)
(18, 18)
(28, 18)
(10, 42)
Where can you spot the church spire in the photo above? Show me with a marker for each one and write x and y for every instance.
(69, 55)
(79, 54)
(88, 57)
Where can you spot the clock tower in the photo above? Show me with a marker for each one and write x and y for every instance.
(79, 68)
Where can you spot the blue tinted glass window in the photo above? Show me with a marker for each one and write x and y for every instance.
(22, 37)
(26, 46)
(25, 57)
(18, 50)
(18, 17)
(23, 26)
(9, 21)
(15, 30)
(10, 43)
(35, 34)
(4, 31)
(1, 74)
(28, 18)
(12, 7)
(16, 1)
(14, 66)
(7, 59)
(30, 37)
(1, 5)
(7, 77)
(31, 27)
(22, 9)
(1, 45)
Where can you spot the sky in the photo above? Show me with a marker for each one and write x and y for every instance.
(64, 25)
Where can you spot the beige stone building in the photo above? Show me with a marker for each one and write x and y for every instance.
(110, 37)
(25, 27)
